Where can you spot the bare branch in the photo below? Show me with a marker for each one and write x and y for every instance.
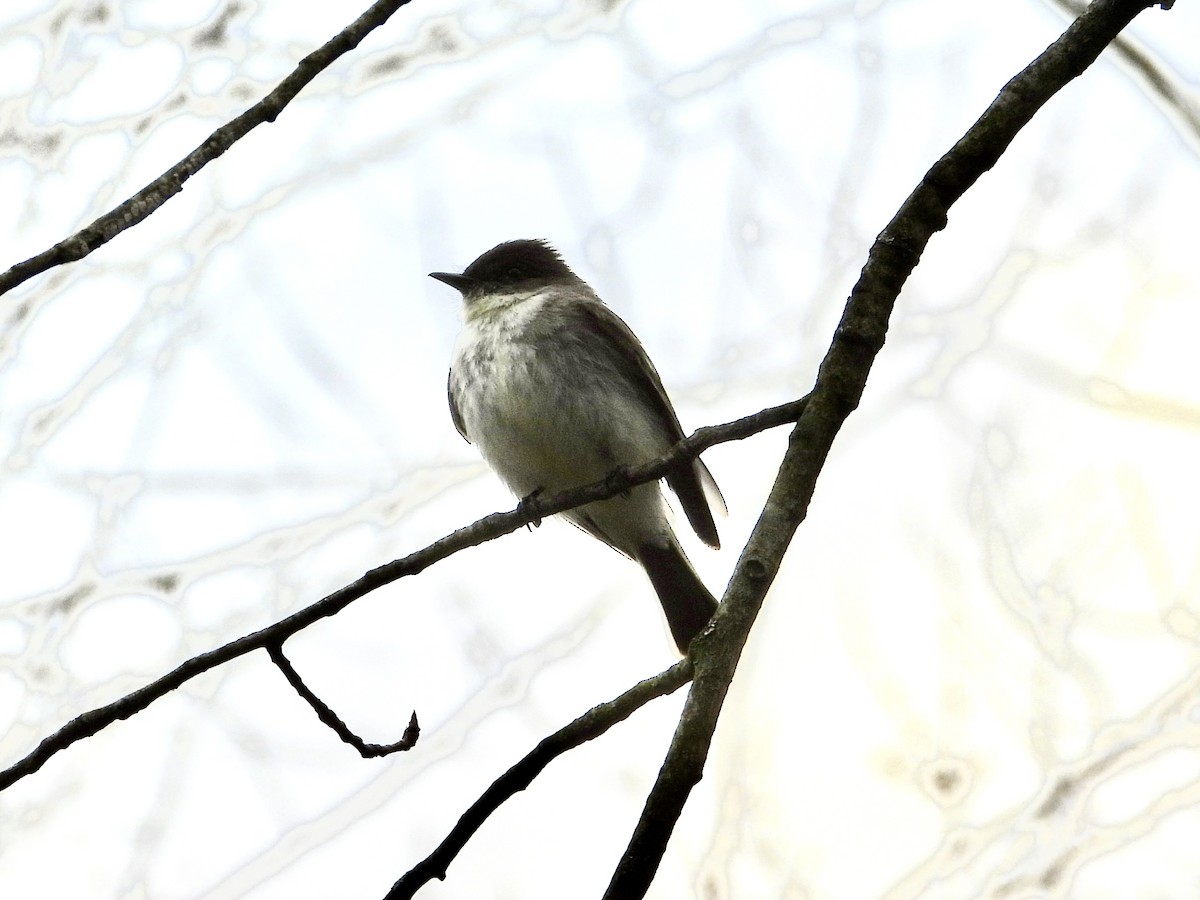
(590, 725)
(170, 182)
(840, 383)
(1168, 90)
(368, 751)
(485, 529)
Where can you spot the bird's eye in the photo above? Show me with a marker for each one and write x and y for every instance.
(514, 273)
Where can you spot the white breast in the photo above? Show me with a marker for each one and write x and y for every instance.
(529, 408)
(503, 396)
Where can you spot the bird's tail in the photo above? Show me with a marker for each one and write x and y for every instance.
(684, 598)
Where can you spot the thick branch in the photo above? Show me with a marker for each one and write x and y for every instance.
(170, 182)
(485, 529)
(842, 378)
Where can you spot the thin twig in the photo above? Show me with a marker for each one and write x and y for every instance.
(840, 383)
(368, 751)
(170, 182)
(485, 529)
(590, 725)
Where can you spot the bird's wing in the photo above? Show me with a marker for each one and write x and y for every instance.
(455, 415)
(688, 482)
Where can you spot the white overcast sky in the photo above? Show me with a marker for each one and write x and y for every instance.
(239, 406)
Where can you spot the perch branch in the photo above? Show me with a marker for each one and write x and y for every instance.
(485, 529)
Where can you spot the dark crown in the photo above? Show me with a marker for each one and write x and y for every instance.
(514, 262)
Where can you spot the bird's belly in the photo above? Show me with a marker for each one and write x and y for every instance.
(532, 431)
(548, 430)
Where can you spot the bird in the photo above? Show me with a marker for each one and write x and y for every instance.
(556, 392)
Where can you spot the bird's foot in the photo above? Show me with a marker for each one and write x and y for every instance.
(617, 477)
(529, 506)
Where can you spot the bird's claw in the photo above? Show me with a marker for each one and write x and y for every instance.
(617, 477)
(529, 506)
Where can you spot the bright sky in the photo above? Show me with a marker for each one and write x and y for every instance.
(239, 406)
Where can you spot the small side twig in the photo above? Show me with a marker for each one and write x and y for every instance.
(590, 725)
(368, 751)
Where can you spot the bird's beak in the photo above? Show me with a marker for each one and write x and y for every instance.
(460, 283)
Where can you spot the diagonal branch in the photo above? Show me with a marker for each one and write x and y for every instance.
(485, 529)
(840, 383)
(170, 182)
(587, 727)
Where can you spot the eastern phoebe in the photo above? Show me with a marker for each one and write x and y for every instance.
(557, 392)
